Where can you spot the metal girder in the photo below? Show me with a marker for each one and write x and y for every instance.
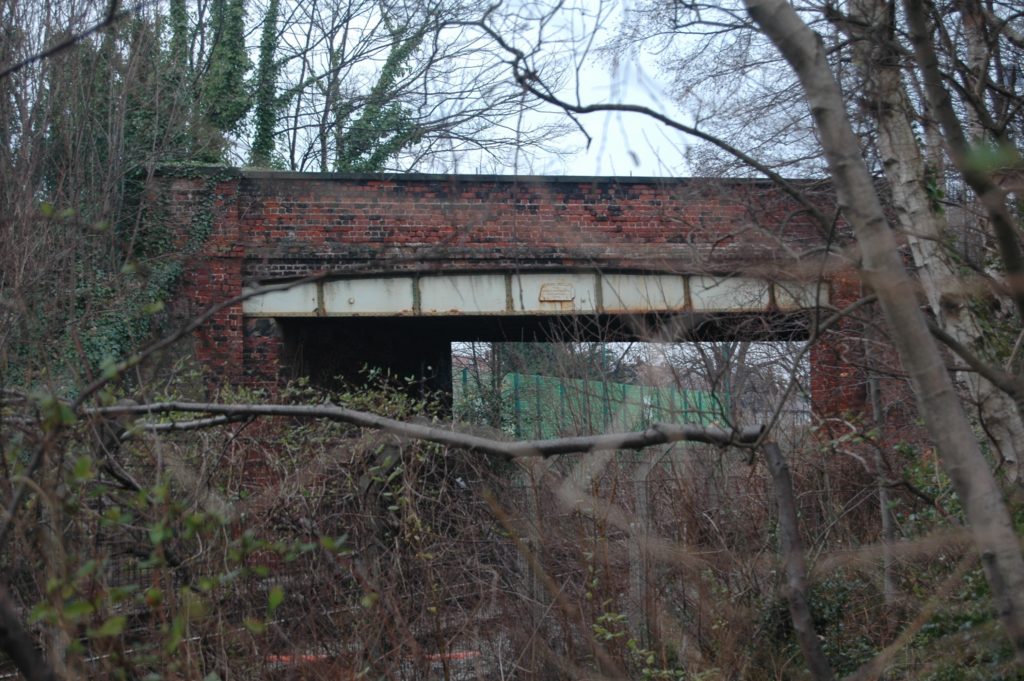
(535, 293)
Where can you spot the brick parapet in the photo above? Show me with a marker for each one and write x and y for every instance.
(289, 223)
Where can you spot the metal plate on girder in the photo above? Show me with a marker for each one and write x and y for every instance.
(557, 293)
(356, 297)
(463, 294)
(792, 295)
(642, 292)
(299, 301)
(729, 294)
(535, 293)
(546, 293)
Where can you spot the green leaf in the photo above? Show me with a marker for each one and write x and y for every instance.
(108, 367)
(86, 569)
(120, 593)
(986, 158)
(40, 612)
(55, 413)
(115, 515)
(333, 543)
(78, 609)
(158, 534)
(194, 606)
(112, 627)
(154, 597)
(83, 470)
(254, 625)
(177, 634)
(275, 598)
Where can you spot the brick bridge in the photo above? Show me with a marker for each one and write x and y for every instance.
(406, 264)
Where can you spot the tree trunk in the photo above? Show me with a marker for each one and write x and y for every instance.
(920, 218)
(883, 271)
(796, 566)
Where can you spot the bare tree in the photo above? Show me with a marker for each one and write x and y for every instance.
(352, 68)
(943, 413)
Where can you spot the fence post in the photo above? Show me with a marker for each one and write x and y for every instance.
(517, 409)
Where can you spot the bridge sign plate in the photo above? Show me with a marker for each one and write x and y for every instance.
(557, 293)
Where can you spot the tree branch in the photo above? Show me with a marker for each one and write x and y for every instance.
(992, 197)
(19, 646)
(796, 566)
(1001, 379)
(530, 82)
(111, 17)
(661, 433)
(884, 271)
(181, 426)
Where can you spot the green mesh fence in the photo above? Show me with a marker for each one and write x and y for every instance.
(534, 406)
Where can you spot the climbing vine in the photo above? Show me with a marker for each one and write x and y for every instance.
(126, 306)
(225, 98)
(265, 99)
(385, 126)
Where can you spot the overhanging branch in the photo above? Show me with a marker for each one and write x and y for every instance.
(657, 434)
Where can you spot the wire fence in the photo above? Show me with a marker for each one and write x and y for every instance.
(532, 405)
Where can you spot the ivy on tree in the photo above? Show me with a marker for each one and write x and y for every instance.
(225, 98)
(385, 126)
(265, 93)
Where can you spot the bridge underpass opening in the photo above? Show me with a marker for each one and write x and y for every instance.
(334, 330)
(335, 351)
(546, 390)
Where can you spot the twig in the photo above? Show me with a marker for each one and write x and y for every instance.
(179, 426)
(112, 16)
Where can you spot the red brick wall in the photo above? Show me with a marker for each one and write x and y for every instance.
(265, 226)
(204, 212)
(838, 379)
(293, 224)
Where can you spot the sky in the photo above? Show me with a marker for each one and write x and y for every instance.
(622, 144)
(627, 144)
